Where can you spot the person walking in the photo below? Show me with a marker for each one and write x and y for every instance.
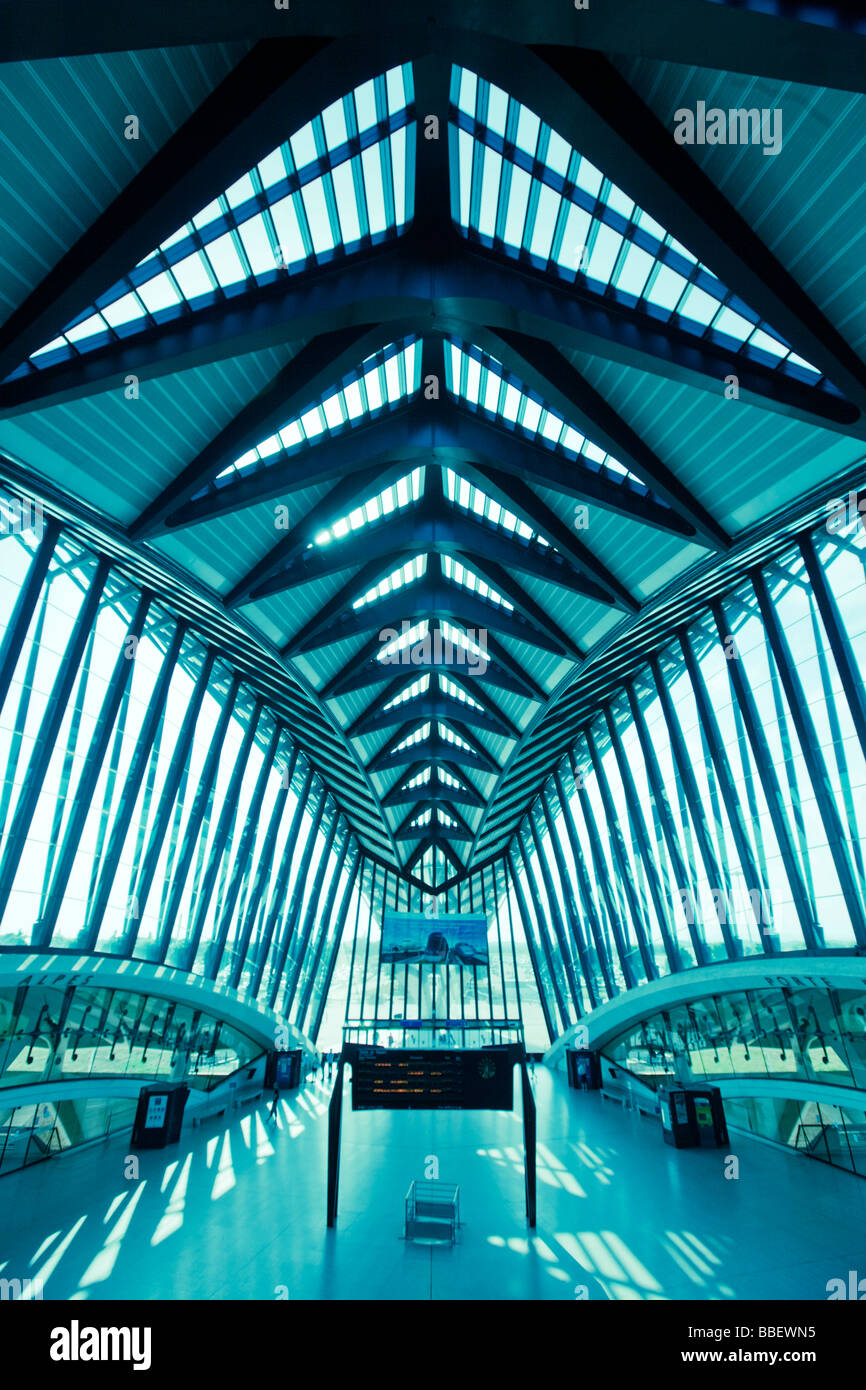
(274, 1104)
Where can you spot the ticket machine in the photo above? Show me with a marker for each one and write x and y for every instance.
(693, 1117)
(584, 1069)
(159, 1116)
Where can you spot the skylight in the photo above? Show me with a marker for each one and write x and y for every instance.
(398, 495)
(418, 687)
(419, 735)
(449, 780)
(424, 778)
(471, 499)
(426, 817)
(446, 732)
(405, 639)
(383, 380)
(478, 380)
(523, 191)
(339, 184)
(449, 687)
(460, 639)
(413, 569)
(455, 570)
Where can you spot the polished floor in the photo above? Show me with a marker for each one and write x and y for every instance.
(237, 1210)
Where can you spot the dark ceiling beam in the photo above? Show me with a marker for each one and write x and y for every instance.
(432, 599)
(438, 829)
(405, 830)
(311, 374)
(498, 659)
(436, 789)
(478, 689)
(340, 616)
(371, 545)
(443, 529)
(431, 750)
(435, 840)
(432, 228)
(404, 681)
(519, 497)
(348, 494)
(532, 612)
(399, 283)
(273, 90)
(423, 432)
(595, 108)
(741, 37)
(432, 704)
(338, 605)
(482, 439)
(541, 367)
(365, 671)
(354, 450)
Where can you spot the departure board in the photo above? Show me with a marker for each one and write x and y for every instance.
(401, 1079)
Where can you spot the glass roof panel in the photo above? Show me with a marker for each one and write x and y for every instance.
(458, 572)
(406, 574)
(418, 687)
(417, 736)
(471, 499)
(446, 732)
(381, 382)
(449, 687)
(334, 187)
(521, 189)
(478, 380)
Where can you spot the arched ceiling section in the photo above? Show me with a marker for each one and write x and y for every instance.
(427, 365)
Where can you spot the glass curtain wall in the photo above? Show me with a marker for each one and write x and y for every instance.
(715, 807)
(150, 805)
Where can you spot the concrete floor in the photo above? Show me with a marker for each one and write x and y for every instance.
(237, 1210)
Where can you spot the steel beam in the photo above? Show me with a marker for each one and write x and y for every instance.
(542, 368)
(443, 530)
(397, 283)
(275, 87)
(316, 369)
(736, 37)
(432, 750)
(432, 599)
(810, 747)
(600, 113)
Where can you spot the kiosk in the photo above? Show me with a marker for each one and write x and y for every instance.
(159, 1116)
(693, 1117)
(283, 1069)
(584, 1069)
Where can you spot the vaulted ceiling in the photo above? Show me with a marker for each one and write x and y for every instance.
(422, 367)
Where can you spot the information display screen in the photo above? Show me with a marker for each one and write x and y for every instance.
(157, 1107)
(400, 1079)
(455, 938)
